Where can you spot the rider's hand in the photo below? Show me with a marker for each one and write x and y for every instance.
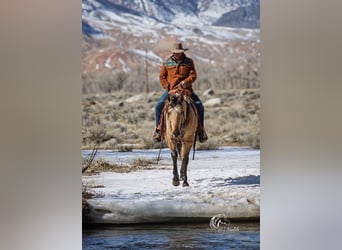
(182, 84)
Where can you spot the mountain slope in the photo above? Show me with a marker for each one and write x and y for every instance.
(123, 35)
(242, 17)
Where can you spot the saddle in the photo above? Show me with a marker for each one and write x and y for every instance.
(184, 91)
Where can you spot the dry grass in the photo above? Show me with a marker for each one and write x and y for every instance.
(115, 123)
(87, 193)
(99, 166)
(239, 75)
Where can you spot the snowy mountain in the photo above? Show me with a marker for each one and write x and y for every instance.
(178, 11)
(118, 35)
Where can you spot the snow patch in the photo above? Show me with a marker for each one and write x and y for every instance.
(224, 181)
(125, 68)
(107, 63)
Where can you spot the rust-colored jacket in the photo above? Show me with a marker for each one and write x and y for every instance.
(172, 73)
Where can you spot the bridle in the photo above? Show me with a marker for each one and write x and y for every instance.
(178, 108)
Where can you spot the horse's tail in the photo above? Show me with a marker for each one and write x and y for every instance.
(194, 147)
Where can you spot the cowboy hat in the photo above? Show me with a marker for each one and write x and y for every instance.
(177, 48)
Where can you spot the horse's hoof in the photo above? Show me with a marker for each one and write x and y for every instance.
(175, 182)
(185, 184)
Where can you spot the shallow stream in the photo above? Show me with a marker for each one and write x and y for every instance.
(243, 236)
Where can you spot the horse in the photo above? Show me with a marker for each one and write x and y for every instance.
(181, 121)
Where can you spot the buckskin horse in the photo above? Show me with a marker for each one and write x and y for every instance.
(181, 120)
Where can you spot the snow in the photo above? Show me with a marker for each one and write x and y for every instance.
(150, 55)
(103, 37)
(107, 63)
(224, 181)
(197, 57)
(182, 18)
(215, 10)
(125, 68)
(181, 26)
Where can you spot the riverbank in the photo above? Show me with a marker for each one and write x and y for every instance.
(224, 181)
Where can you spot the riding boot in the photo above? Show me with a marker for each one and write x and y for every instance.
(157, 135)
(202, 135)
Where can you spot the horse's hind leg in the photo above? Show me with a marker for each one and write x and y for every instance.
(175, 180)
(184, 168)
(179, 148)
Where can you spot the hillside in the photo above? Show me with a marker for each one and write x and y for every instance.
(124, 43)
(124, 121)
(133, 37)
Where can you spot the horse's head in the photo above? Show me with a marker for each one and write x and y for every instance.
(176, 99)
(176, 114)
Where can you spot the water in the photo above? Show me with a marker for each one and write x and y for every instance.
(244, 153)
(241, 168)
(244, 236)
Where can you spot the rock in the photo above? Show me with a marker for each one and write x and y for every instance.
(110, 144)
(136, 98)
(116, 104)
(213, 102)
(208, 92)
(151, 94)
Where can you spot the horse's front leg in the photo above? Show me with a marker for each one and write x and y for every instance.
(185, 161)
(175, 180)
(184, 170)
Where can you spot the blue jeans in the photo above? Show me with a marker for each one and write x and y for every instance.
(160, 105)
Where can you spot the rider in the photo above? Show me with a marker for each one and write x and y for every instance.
(178, 70)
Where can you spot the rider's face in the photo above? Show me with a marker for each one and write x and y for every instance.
(178, 55)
